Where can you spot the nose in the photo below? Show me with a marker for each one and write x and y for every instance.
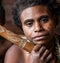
(38, 27)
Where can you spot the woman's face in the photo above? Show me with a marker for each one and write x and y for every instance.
(38, 24)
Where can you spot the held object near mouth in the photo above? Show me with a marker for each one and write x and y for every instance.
(16, 39)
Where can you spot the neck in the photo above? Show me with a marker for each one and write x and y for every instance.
(51, 45)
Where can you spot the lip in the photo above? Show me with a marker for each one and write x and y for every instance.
(40, 37)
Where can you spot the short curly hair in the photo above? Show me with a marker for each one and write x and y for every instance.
(2, 15)
(20, 5)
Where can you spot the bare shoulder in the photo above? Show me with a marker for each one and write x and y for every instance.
(14, 49)
(14, 55)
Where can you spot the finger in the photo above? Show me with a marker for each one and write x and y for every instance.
(49, 57)
(45, 54)
(42, 50)
(36, 48)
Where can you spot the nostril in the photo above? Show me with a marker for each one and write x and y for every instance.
(39, 28)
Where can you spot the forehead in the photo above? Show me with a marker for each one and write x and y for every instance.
(34, 11)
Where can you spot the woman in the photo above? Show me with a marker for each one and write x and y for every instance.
(38, 20)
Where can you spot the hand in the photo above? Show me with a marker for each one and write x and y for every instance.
(40, 55)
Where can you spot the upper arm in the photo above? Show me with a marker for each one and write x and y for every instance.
(14, 55)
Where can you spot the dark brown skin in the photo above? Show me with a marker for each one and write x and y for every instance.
(38, 27)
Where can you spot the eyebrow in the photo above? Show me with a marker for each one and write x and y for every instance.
(39, 18)
(43, 16)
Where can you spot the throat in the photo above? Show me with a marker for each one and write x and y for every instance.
(51, 45)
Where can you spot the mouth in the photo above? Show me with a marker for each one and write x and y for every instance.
(40, 37)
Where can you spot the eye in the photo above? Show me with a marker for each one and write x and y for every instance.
(44, 19)
(29, 23)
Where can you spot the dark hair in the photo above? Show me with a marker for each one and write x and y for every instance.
(20, 5)
(2, 15)
(0, 2)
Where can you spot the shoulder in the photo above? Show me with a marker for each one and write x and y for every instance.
(13, 50)
(13, 54)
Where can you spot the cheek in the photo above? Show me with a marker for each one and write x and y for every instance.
(50, 27)
(27, 32)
